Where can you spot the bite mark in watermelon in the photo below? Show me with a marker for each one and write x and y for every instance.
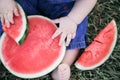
(100, 49)
(38, 55)
(18, 30)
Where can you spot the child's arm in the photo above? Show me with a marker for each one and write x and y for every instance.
(81, 9)
(68, 24)
(8, 9)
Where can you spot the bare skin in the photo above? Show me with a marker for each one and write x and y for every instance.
(8, 11)
(63, 71)
(67, 30)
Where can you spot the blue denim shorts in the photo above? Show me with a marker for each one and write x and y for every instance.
(55, 9)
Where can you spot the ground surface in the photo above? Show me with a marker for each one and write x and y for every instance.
(102, 14)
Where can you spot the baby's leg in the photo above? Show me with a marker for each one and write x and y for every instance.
(63, 70)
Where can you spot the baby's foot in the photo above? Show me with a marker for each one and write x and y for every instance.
(62, 72)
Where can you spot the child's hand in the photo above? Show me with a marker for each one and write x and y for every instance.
(8, 9)
(67, 30)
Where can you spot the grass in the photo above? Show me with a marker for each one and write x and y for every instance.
(102, 14)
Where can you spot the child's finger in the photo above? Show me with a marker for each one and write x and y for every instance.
(69, 37)
(6, 20)
(16, 12)
(10, 17)
(57, 32)
(62, 38)
(2, 18)
(73, 35)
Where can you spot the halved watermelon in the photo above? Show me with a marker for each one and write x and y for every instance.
(100, 49)
(38, 55)
(18, 30)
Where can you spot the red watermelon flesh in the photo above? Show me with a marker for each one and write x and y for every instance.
(17, 31)
(38, 55)
(100, 49)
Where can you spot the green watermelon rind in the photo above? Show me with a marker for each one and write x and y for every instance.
(81, 67)
(44, 72)
(22, 36)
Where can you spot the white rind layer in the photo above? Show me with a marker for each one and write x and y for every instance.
(23, 26)
(81, 67)
(35, 75)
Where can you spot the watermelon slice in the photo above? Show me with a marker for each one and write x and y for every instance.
(100, 49)
(38, 55)
(18, 30)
